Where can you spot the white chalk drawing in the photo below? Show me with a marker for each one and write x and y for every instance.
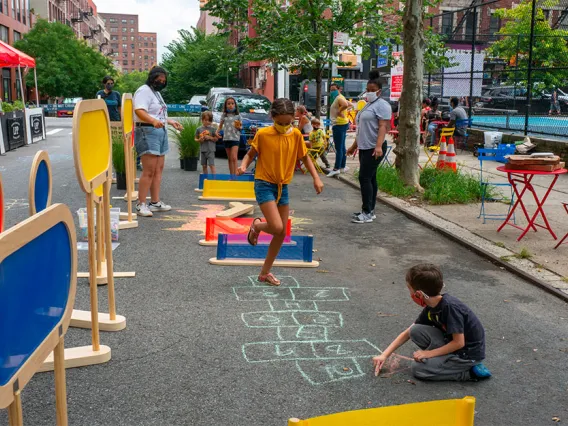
(303, 331)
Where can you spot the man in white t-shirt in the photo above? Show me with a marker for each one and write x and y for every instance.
(151, 140)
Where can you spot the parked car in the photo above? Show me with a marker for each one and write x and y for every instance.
(199, 101)
(253, 109)
(308, 96)
(66, 108)
(233, 90)
(515, 99)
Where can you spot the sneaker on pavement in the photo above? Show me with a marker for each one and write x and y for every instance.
(362, 218)
(479, 372)
(333, 173)
(159, 207)
(355, 215)
(345, 169)
(143, 210)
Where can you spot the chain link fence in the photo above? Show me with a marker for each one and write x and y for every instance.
(508, 65)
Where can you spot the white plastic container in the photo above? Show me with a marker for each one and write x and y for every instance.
(492, 139)
(114, 221)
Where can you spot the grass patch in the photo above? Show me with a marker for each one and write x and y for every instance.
(524, 254)
(505, 258)
(500, 244)
(565, 279)
(447, 187)
(390, 182)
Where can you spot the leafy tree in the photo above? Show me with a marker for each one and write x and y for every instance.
(550, 46)
(196, 62)
(129, 83)
(66, 67)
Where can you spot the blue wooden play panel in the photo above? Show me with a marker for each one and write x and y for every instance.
(243, 178)
(299, 248)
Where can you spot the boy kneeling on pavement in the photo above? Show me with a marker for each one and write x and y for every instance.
(450, 337)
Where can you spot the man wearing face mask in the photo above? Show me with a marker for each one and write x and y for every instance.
(111, 97)
(373, 124)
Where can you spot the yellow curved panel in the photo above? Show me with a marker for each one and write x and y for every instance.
(361, 104)
(127, 113)
(94, 144)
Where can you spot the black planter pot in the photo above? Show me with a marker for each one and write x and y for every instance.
(121, 181)
(191, 164)
(182, 163)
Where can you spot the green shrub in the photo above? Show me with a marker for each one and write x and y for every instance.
(7, 107)
(19, 105)
(390, 182)
(185, 139)
(448, 187)
(118, 156)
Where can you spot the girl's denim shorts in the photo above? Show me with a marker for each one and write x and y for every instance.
(266, 191)
(149, 140)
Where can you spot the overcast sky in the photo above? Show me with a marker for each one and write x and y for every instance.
(164, 17)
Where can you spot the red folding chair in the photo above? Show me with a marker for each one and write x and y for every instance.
(565, 236)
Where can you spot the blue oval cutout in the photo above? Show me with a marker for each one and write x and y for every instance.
(34, 289)
(42, 186)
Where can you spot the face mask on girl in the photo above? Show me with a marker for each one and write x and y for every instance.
(231, 110)
(372, 96)
(109, 86)
(158, 86)
(282, 129)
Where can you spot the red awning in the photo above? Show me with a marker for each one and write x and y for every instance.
(11, 57)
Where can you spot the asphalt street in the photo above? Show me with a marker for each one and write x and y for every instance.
(204, 346)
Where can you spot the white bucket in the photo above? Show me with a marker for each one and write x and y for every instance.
(114, 221)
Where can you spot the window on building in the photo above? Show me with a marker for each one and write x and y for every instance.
(124, 62)
(145, 44)
(151, 38)
(132, 38)
(114, 45)
(470, 23)
(132, 46)
(546, 14)
(124, 46)
(124, 21)
(1, 6)
(17, 36)
(113, 29)
(132, 22)
(131, 30)
(146, 64)
(125, 55)
(140, 57)
(124, 38)
(113, 20)
(6, 83)
(146, 57)
(18, 11)
(494, 24)
(4, 33)
(114, 38)
(124, 29)
(145, 38)
(447, 22)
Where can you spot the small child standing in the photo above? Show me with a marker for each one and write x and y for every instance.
(450, 337)
(231, 124)
(317, 141)
(278, 147)
(206, 136)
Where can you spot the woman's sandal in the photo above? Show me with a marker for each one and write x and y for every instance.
(270, 279)
(252, 234)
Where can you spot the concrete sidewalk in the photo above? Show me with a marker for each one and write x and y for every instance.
(546, 263)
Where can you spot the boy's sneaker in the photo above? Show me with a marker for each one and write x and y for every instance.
(159, 207)
(345, 169)
(479, 372)
(362, 218)
(143, 210)
(356, 215)
(333, 173)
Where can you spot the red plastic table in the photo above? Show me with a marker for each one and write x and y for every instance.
(523, 178)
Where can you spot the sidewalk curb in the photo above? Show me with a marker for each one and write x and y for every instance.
(478, 250)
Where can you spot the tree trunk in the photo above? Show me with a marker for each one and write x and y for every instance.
(408, 145)
(318, 89)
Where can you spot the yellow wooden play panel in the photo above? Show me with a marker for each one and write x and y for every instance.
(223, 190)
(449, 412)
(128, 118)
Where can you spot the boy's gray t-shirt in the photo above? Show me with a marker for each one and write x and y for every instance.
(208, 146)
(230, 133)
(456, 115)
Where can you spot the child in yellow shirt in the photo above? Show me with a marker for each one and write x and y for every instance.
(278, 147)
(318, 142)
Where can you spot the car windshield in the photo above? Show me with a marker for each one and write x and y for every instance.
(248, 104)
(196, 99)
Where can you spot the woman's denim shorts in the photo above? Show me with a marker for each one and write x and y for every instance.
(266, 191)
(149, 140)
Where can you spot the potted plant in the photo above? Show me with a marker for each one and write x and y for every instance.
(118, 162)
(185, 140)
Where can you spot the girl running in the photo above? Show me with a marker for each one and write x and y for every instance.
(278, 148)
(232, 123)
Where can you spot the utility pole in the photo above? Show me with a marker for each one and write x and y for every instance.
(529, 73)
(329, 68)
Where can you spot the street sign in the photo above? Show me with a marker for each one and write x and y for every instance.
(339, 80)
(381, 62)
(397, 71)
(340, 39)
(383, 51)
(382, 54)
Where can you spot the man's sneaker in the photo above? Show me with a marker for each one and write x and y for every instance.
(345, 169)
(159, 207)
(333, 173)
(142, 210)
(362, 218)
(356, 215)
(479, 372)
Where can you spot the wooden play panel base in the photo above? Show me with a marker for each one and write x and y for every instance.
(80, 356)
(125, 224)
(202, 198)
(237, 209)
(198, 190)
(208, 243)
(260, 262)
(82, 319)
(125, 198)
(102, 279)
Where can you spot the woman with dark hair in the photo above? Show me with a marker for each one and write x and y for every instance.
(304, 123)
(111, 97)
(278, 147)
(373, 124)
(151, 140)
(433, 115)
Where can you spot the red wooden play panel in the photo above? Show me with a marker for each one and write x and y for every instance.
(235, 226)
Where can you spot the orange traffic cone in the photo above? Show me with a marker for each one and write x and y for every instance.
(442, 155)
(451, 155)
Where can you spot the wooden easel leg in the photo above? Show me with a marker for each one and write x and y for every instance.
(15, 416)
(108, 244)
(99, 239)
(93, 272)
(60, 385)
(129, 176)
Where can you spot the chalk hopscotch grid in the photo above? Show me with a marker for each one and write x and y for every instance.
(295, 315)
